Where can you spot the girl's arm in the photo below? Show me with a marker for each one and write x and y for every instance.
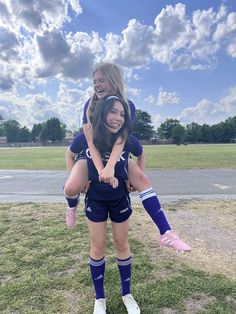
(95, 154)
(70, 159)
(108, 172)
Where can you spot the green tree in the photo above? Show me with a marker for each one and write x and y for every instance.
(142, 127)
(207, 135)
(11, 128)
(178, 134)
(36, 130)
(229, 129)
(165, 129)
(52, 130)
(193, 132)
(23, 135)
(218, 133)
(2, 127)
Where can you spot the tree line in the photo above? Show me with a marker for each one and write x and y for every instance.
(50, 131)
(172, 131)
(53, 130)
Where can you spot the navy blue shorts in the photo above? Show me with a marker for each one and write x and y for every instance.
(117, 210)
(80, 156)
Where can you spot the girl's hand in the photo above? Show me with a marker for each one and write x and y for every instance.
(85, 190)
(130, 188)
(106, 174)
(114, 182)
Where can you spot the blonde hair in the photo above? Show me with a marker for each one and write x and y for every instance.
(114, 76)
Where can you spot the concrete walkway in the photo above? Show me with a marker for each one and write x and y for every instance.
(171, 185)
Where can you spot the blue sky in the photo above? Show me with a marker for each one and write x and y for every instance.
(178, 58)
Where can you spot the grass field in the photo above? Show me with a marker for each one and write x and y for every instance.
(44, 267)
(158, 157)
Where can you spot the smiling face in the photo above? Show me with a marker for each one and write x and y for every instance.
(101, 85)
(115, 118)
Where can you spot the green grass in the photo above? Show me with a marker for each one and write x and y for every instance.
(158, 157)
(191, 156)
(35, 158)
(44, 269)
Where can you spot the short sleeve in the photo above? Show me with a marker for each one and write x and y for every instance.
(132, 111)
(85, 120)
(134, 146)
(78, 143)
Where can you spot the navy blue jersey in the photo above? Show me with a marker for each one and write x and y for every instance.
(100, 190)
(131, 107)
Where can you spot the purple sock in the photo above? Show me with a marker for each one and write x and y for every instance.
(72, 201)
(153, 207)
(124, 266)
(97, 270)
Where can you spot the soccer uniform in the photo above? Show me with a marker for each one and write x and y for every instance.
(102, 200)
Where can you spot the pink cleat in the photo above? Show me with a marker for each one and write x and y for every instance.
(71, 217)
(171, 239)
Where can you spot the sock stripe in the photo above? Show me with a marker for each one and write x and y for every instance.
(97, 262)
(125, 262)
(73, 197)
(147, 194)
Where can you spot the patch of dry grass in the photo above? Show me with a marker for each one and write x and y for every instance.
(208, 226)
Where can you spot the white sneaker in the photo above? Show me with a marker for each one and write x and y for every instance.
(99, 306)
(130, 304)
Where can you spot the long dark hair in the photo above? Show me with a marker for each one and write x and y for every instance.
(103, 139)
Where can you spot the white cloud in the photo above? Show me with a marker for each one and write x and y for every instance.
(75, 5)
(133, 48)
(157, 120)
(150, 100)
(184, 43)
(226, 27)
(9, 45)
(38, 15)
(58, 58)
(163, 98)
(35, 47)
(231, 49)
(210, 113)
(132, 92)
(70, 104)
(67, 106)
(43, 49)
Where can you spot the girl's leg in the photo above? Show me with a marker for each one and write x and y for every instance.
(148, 196)
(124, 263)
(152, 205)
(123, 255)
(74, 185)
(97, 233)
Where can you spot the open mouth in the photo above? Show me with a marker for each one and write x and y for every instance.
(100, 93)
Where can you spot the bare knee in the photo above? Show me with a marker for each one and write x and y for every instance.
(121, 246)
(97, 250)
(71, 190)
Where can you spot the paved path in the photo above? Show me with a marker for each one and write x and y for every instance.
(171, 185)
